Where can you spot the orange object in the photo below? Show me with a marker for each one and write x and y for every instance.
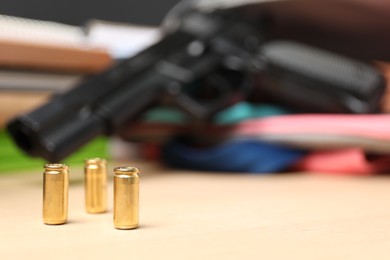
(51, 57)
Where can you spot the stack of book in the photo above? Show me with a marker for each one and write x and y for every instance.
(39, 59)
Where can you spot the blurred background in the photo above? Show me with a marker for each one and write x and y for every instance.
(48, 47)
(75, 12)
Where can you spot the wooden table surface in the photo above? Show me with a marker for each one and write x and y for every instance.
(188, 215)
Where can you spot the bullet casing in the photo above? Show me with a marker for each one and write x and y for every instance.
(126, 197)
(95, 185)
(55, 194)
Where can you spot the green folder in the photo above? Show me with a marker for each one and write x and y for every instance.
(12, 159)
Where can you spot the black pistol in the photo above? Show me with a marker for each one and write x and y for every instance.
(209, 61)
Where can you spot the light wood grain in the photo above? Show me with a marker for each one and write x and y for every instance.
(189, 215)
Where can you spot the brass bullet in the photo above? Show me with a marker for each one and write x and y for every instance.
(126, 197)
(55, 193)
(95, 173)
